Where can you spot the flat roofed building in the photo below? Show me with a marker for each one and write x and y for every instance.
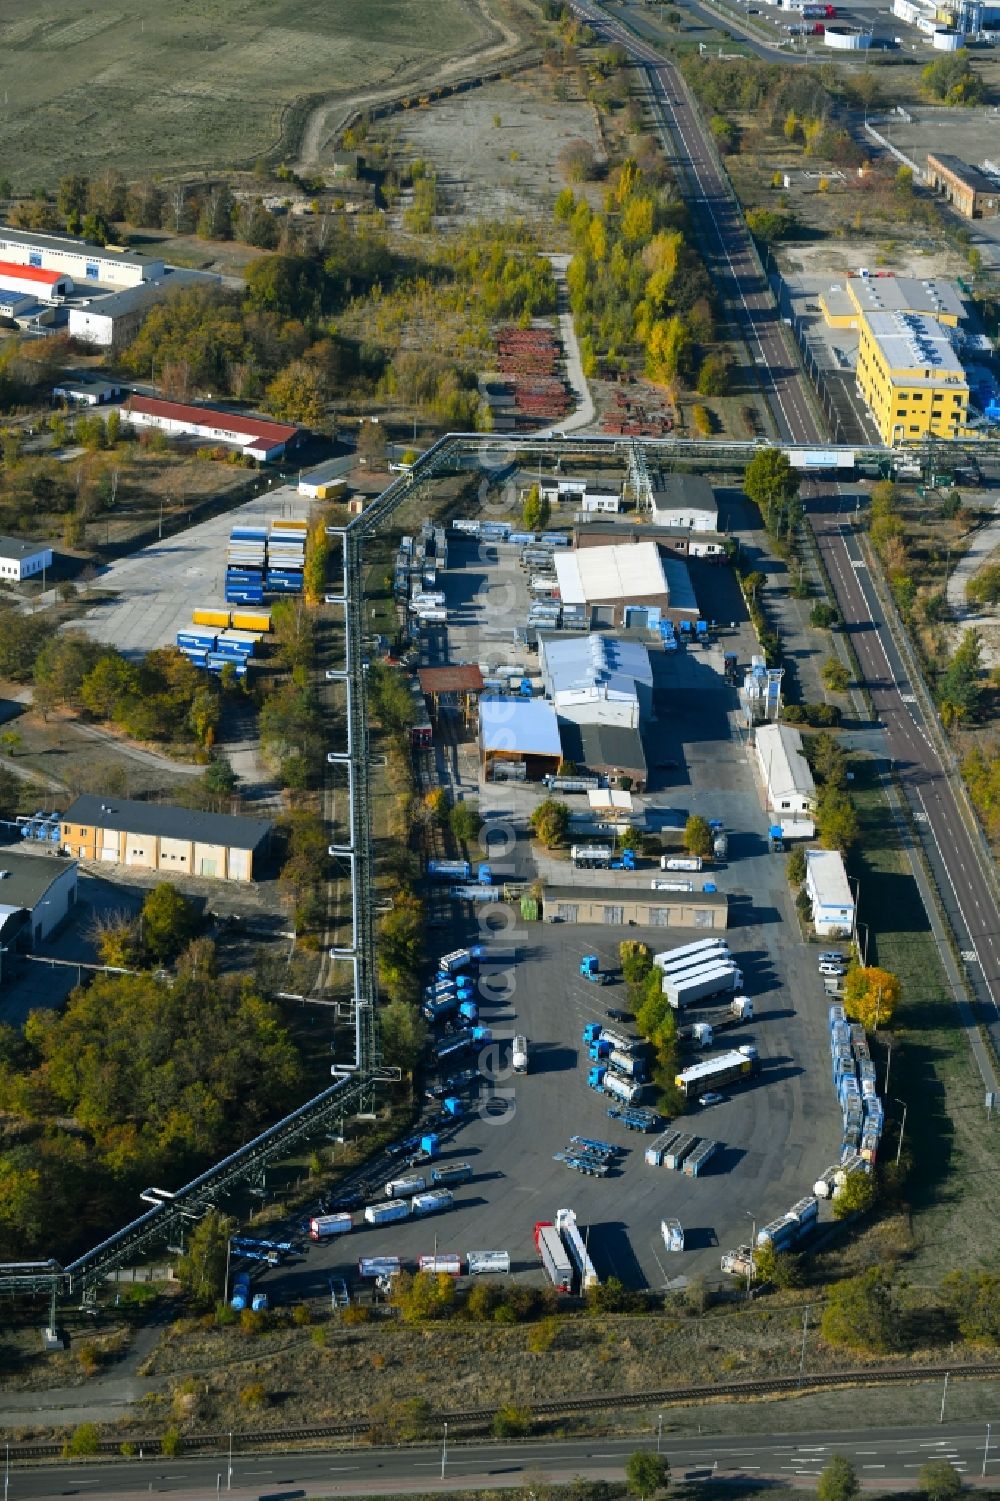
(597, 679)
(829, 893)
(114, 319)
(784, 770)
(37, 893)
(587, 495)
(882, 292)
(972, 192)
(518, 738)
(160, 836)
(910, 374)
(81, 259)
(628, 586)
(684, 500)
(613, 751)
(32, 281)
(617, 906)
(678, 540)
(254, 435)
(22, 560)
(86, 389)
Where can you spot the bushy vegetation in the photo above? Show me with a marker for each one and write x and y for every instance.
(136, 1081)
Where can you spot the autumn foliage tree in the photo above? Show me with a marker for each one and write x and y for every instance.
(871, 996)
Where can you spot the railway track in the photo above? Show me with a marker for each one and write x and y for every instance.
(476, 1417)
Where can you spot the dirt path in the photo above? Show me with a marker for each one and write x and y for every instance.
(985, 542)
(327, 118)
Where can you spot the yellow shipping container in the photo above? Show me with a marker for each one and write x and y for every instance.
(210, 617)
(252, 620)
(287, 525)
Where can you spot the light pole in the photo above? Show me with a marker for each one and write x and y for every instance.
(944, 1396)
(444, 1450)
(229, 1472)
(753, 1246)
(659, 1435)
(986, 1451)
(888, 1066)
(902, 1130)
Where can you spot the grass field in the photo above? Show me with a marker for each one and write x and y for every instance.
(158, 89)
(954, 1188)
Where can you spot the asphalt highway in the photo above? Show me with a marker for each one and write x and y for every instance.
(968, 896)
(883, 1456)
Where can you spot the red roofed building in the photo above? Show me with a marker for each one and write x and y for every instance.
(32, 281)
(256, 437)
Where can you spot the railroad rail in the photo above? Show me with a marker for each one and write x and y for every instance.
(556, 1407)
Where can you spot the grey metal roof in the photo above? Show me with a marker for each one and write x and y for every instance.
(673, 492)
(615, 895)
(16, 547)
(602, 746)
(971, 176)
(29, 876)
(593, 661)
(680, 590)
(167, 821)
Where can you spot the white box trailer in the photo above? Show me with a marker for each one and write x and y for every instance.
(719, 979)
(680, 957)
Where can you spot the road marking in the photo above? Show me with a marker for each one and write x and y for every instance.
(335, 1469)
(873, 1467)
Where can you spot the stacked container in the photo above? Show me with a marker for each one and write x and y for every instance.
(286, 556)
(246, 557)
(854, 1081)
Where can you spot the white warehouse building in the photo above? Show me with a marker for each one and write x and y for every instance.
(685, 500)
(829, 894)
(80, 259)
(784, 770)
(22, 560)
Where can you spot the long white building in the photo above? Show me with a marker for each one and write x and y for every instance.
(788, 782)
(80, 259)
(829, 893)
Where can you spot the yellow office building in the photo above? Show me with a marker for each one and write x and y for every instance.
(864, 294)
(911, 377)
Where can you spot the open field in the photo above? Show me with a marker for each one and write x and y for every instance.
(160, 89)
(953, 1187)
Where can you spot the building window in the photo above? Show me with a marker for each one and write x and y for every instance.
(615, 916)
(34, 257)
(91, 270)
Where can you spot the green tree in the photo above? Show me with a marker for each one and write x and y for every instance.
(549, 822)
(952, 79)
(85, 1440)
(973, 1298)
(646, 1473)
(773, 485)
(837, 820)
(959, 687)
(940, 1481)
(201, 1271)
(856, 1196)
(511, 1421)
(404, 1035)
(860, 1312)
(108, 684)
(837, 1480)
(636, 960)
(835, 675)
(536, 511)
(781, 1268)
(464, 821)
(697, 836)
(824, 616)
(169, 922)
(424, 1296)
(713, 376)
(795, 867)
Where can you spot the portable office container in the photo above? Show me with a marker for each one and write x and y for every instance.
(210, 617)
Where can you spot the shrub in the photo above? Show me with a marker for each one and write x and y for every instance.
(795, 868)
(823, 616)
(511, 1421)
(171, 1443)
(254, 1395)
(835, 675)
(838, 1480)
(85, 1439)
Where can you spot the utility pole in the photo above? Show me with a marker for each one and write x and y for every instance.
(659, 1436)
(444, 1450)
(986, 1451)
(944, 1396)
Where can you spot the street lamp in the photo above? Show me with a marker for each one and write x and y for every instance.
(753, 1246)
(444, 1450)
(902, 1129)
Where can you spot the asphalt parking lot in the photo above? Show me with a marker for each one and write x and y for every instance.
(778, 1133)
(158, 587)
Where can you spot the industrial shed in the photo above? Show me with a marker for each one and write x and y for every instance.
(829, 893)
(518, 739)
(634, 586)
(784, 770)
(678, 540)
(685, 500)
(37, 893)
(160, 836)
(256, 437)
(612, 751)
(622, 907)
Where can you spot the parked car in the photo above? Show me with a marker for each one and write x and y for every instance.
(828, 968)
(712, 1098)
(614, 1015)
(831, 956)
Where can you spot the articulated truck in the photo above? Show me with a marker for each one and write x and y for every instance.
(687, 953)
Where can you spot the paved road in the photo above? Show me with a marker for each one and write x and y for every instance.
(729, 255)
(883, 1457)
